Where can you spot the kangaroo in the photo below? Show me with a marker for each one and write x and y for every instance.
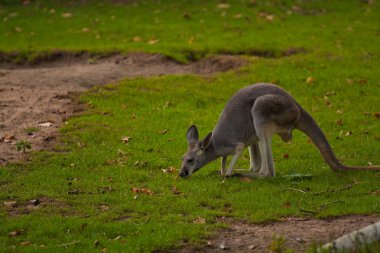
(250, 119)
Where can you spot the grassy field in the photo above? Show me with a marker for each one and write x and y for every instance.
(94, 184)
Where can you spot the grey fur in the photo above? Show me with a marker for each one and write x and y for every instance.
(250, 119)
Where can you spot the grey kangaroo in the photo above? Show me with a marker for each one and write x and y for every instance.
(250, 119)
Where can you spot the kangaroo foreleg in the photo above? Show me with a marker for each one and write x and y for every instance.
(255, 157)
(223, 166)
(238, 151)
(267, 165)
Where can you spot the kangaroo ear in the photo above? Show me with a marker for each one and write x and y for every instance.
(192, 135)
(206, 141)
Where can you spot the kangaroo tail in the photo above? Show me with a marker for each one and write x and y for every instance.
(308, 125)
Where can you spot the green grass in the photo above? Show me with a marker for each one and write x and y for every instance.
(89, 183)
(188, 30)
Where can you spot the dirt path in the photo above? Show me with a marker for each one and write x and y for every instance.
(36, 100)
(299, 234)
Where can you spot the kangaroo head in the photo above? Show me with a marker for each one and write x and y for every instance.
(196, 156)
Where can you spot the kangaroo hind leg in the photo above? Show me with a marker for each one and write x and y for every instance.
(273, 114)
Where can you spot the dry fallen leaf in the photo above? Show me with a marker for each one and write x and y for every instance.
(285, 156)
(237, 16)
(26, 243)
(223, 6)
(199, 220)
(136, 39)
(164, 131)
(142, 190)
(175, 190)
(153, 41)
(349, 133)
(286, 205)
(310, 80)
(270, 17)
(16, 233)
(126, 139)
(7, 138)
(377, 192)
(117, 238)
(9, 204)
(377, 115)
(66, 15)
(169, 170)
(349, 81)
(246, 179)
(339, 122)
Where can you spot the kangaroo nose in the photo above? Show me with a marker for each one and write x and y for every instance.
(183, 173)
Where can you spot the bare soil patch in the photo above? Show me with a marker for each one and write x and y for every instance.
(17, 208)
(37, 98)
(299, 233)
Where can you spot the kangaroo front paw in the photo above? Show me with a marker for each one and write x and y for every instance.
(254, 169)
(264, 172)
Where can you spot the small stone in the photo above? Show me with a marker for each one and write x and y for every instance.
(35, 202)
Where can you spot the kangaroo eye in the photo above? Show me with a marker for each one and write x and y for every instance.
(190, 160)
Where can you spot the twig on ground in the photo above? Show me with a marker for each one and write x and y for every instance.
(346, 187)
(307, 211)
(323, 206)
(294, 189)
(68, 244)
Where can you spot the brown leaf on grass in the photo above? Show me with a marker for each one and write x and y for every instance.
(223, 6)
(9, 204)
(237, 16)
(349, 81)
(270, 17)
(153, 41)
(16, 233)
(377, 115)
(199, 220)
(339, 122)
(66, 15)
(376, 192)
(310, 80)
(175, 190)
(136, 39)
(103, 207)
(267, 16)
(285, 156)
(349, 133)
(142, 190)
(286, 205)
(164, 131)
(126, 139)
(246, 179)
(170, 170)
(26, 243)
